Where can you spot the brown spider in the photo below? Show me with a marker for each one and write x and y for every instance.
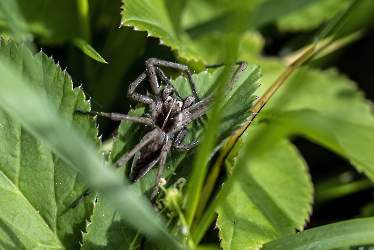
(168, 116)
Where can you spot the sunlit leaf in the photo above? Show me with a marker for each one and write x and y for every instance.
(38, 188)
(270, 198)
(154, 17)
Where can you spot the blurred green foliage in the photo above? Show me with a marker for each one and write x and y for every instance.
(268, 191)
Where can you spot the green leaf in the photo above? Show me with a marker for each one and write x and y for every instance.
(311, 16)
(341, 234)
(38, 188)
(327, 92)
(88, 50)
(38, 116)
(178, 164)
(270, 197)
(351, 140)
(344, 120)
(201, 31)
(155, 18)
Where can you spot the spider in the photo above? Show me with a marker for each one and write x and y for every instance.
(168, 118)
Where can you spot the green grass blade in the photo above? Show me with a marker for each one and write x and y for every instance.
(201, 160)
(84, 18)
(347, 233)
(337, 19)
(88, 50)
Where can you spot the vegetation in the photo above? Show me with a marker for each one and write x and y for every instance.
(252, 177)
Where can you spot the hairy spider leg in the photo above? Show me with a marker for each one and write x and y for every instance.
(165, 79)
(180, 137)
(88, 191)
(195, 111)
(151, 69)
(119, 117)
(162, 75)
(211, 66)
(229, 87)
(138, 97)
(146, 139)
(164, 152)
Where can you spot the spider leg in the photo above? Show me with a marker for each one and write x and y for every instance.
(164, 152)
(154, 61)
(147, 138)
(163, 77)
(138, 97)
(195, 111)
(180, 137)
(119, 117)
(86, 193)
(230, 86)
(242, 67)
(200, 108)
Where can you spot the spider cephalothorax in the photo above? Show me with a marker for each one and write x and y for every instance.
(168, 116)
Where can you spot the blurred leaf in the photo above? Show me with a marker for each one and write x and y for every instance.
(349, 139)
(88, 50)
(359, 18)
(270, 197)
(271, 10)
(325, 91)
(38, 188)
(311, 16)
(84, 18)
(39, 117)
(341, 234)
(15, 21)
(368, 210)
(337, 21)
(323, 194)
(253, 14)
(51, 21)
